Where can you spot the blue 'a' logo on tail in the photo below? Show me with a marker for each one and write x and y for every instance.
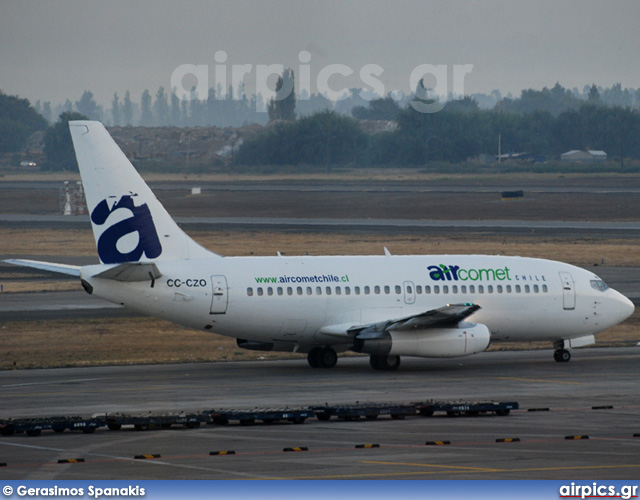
(141, 222)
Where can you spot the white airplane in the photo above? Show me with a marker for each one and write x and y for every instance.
(385, 306)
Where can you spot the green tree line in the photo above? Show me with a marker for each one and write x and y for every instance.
(18, 120)
(459, 132)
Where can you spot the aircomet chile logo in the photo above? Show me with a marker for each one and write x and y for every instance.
(457, 273)
(140, 222)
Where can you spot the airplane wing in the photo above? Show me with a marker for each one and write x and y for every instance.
(449, 315)
(46, 266)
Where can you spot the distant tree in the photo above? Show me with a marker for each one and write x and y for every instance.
(115, 110)
(146, 119)
(594, 95)
(87, 106)
(127, 109)
(324, 138)
(161, 108)
(283, 105)
(379, 109)
(58, 147)
(18, 120)
(46, 111)
(175, 109)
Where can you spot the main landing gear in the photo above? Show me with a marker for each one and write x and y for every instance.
(322, 357)
(562, 355)
(385, 363)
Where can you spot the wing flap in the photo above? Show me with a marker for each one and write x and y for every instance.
(449, 315)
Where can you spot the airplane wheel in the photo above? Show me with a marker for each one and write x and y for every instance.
(562, 355)
(385, 363)
(328, 358)
(313, 357)
(322, 357)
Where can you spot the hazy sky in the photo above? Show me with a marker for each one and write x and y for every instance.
(55, 49)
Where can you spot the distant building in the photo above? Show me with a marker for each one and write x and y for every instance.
(583, 156)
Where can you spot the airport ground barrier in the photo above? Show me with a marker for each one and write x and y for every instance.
(345, 412)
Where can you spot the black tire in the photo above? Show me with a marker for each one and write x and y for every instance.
(34, 432)
(562, 356)
(313, 358)
(385, 363)
(88, 430)
(327, 358)
(114, 426)
(503, 413)
(324, 416)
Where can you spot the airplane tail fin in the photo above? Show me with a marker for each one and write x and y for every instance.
(129, 223)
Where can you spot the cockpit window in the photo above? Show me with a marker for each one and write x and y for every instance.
(599, 285)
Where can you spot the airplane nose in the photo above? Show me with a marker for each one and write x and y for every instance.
(625, 307)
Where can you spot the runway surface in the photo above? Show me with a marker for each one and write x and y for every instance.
(567, 229)
(595, 377)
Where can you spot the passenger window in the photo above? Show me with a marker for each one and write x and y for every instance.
(545, 288)
(536, 289)
(328, 290)
(269, 291)
(280, 291)
(260, 291)
(508, 288)
(338, 291)
(518, 289)
(527, 289)
(472, 289)
(319, 290)
(499, 288)
(289, 290)
(480, 288)
(454, 289)
(436, 289)
(463, 288)
(387, 290)
(367, 290)
(489, 288)
(376, 290)
(399, 289)
(427, 289)
(309, 291)
(356, 289)
(445, 289)
(347, 290)
(418, 289)
(250, 292)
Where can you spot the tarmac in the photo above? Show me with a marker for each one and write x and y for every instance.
(559, 433)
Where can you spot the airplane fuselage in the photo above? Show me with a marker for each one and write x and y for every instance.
(292, 299)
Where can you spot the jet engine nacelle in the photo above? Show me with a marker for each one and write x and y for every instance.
(461, 340)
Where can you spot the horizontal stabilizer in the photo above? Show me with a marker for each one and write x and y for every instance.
(131, 271)
(47, 266)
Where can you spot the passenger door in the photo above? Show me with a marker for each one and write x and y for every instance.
(220, 297)
(568, 291)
